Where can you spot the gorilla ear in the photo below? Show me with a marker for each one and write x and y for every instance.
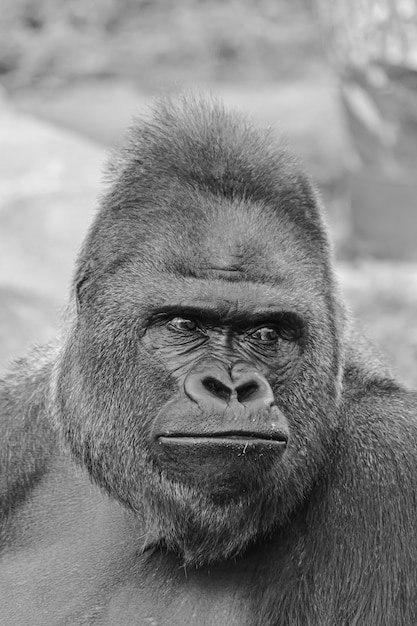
(82, 279)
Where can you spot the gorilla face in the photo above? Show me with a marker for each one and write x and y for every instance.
(199, 382)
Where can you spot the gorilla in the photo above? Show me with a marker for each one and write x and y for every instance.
(211, 441)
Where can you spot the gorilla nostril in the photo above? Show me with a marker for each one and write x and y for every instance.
(216, 388)
(245, 391)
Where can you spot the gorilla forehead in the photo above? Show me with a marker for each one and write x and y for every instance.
(237, 244)
(226, 195)
(195, 232)
(212, 233)
(200, 144)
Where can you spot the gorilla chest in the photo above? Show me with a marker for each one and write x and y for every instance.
(192, 602)
(35, 591)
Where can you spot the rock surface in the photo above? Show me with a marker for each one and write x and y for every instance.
(48, 186)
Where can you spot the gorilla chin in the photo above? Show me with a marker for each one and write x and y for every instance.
(207, 500)
(207, 524)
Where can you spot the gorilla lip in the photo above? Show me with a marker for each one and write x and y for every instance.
(225, 438)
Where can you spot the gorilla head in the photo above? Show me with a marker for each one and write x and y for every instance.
(200, 378)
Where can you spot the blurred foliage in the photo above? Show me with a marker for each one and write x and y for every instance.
(45, 42)
(377, 30)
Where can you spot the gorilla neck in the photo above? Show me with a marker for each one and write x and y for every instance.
(97, 524)
(200, 530)
(81, 540)
(197, 530)
(183, 521)
(190, 523)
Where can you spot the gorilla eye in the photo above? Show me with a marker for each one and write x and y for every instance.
(266, 334)
(182, 324)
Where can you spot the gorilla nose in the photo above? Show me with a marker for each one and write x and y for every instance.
(216, 387)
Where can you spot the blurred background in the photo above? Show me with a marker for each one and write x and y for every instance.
(337, 78)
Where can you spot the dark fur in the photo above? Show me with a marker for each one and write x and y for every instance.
(329, 532)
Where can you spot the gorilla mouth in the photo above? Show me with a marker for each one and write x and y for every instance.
(230, 439)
